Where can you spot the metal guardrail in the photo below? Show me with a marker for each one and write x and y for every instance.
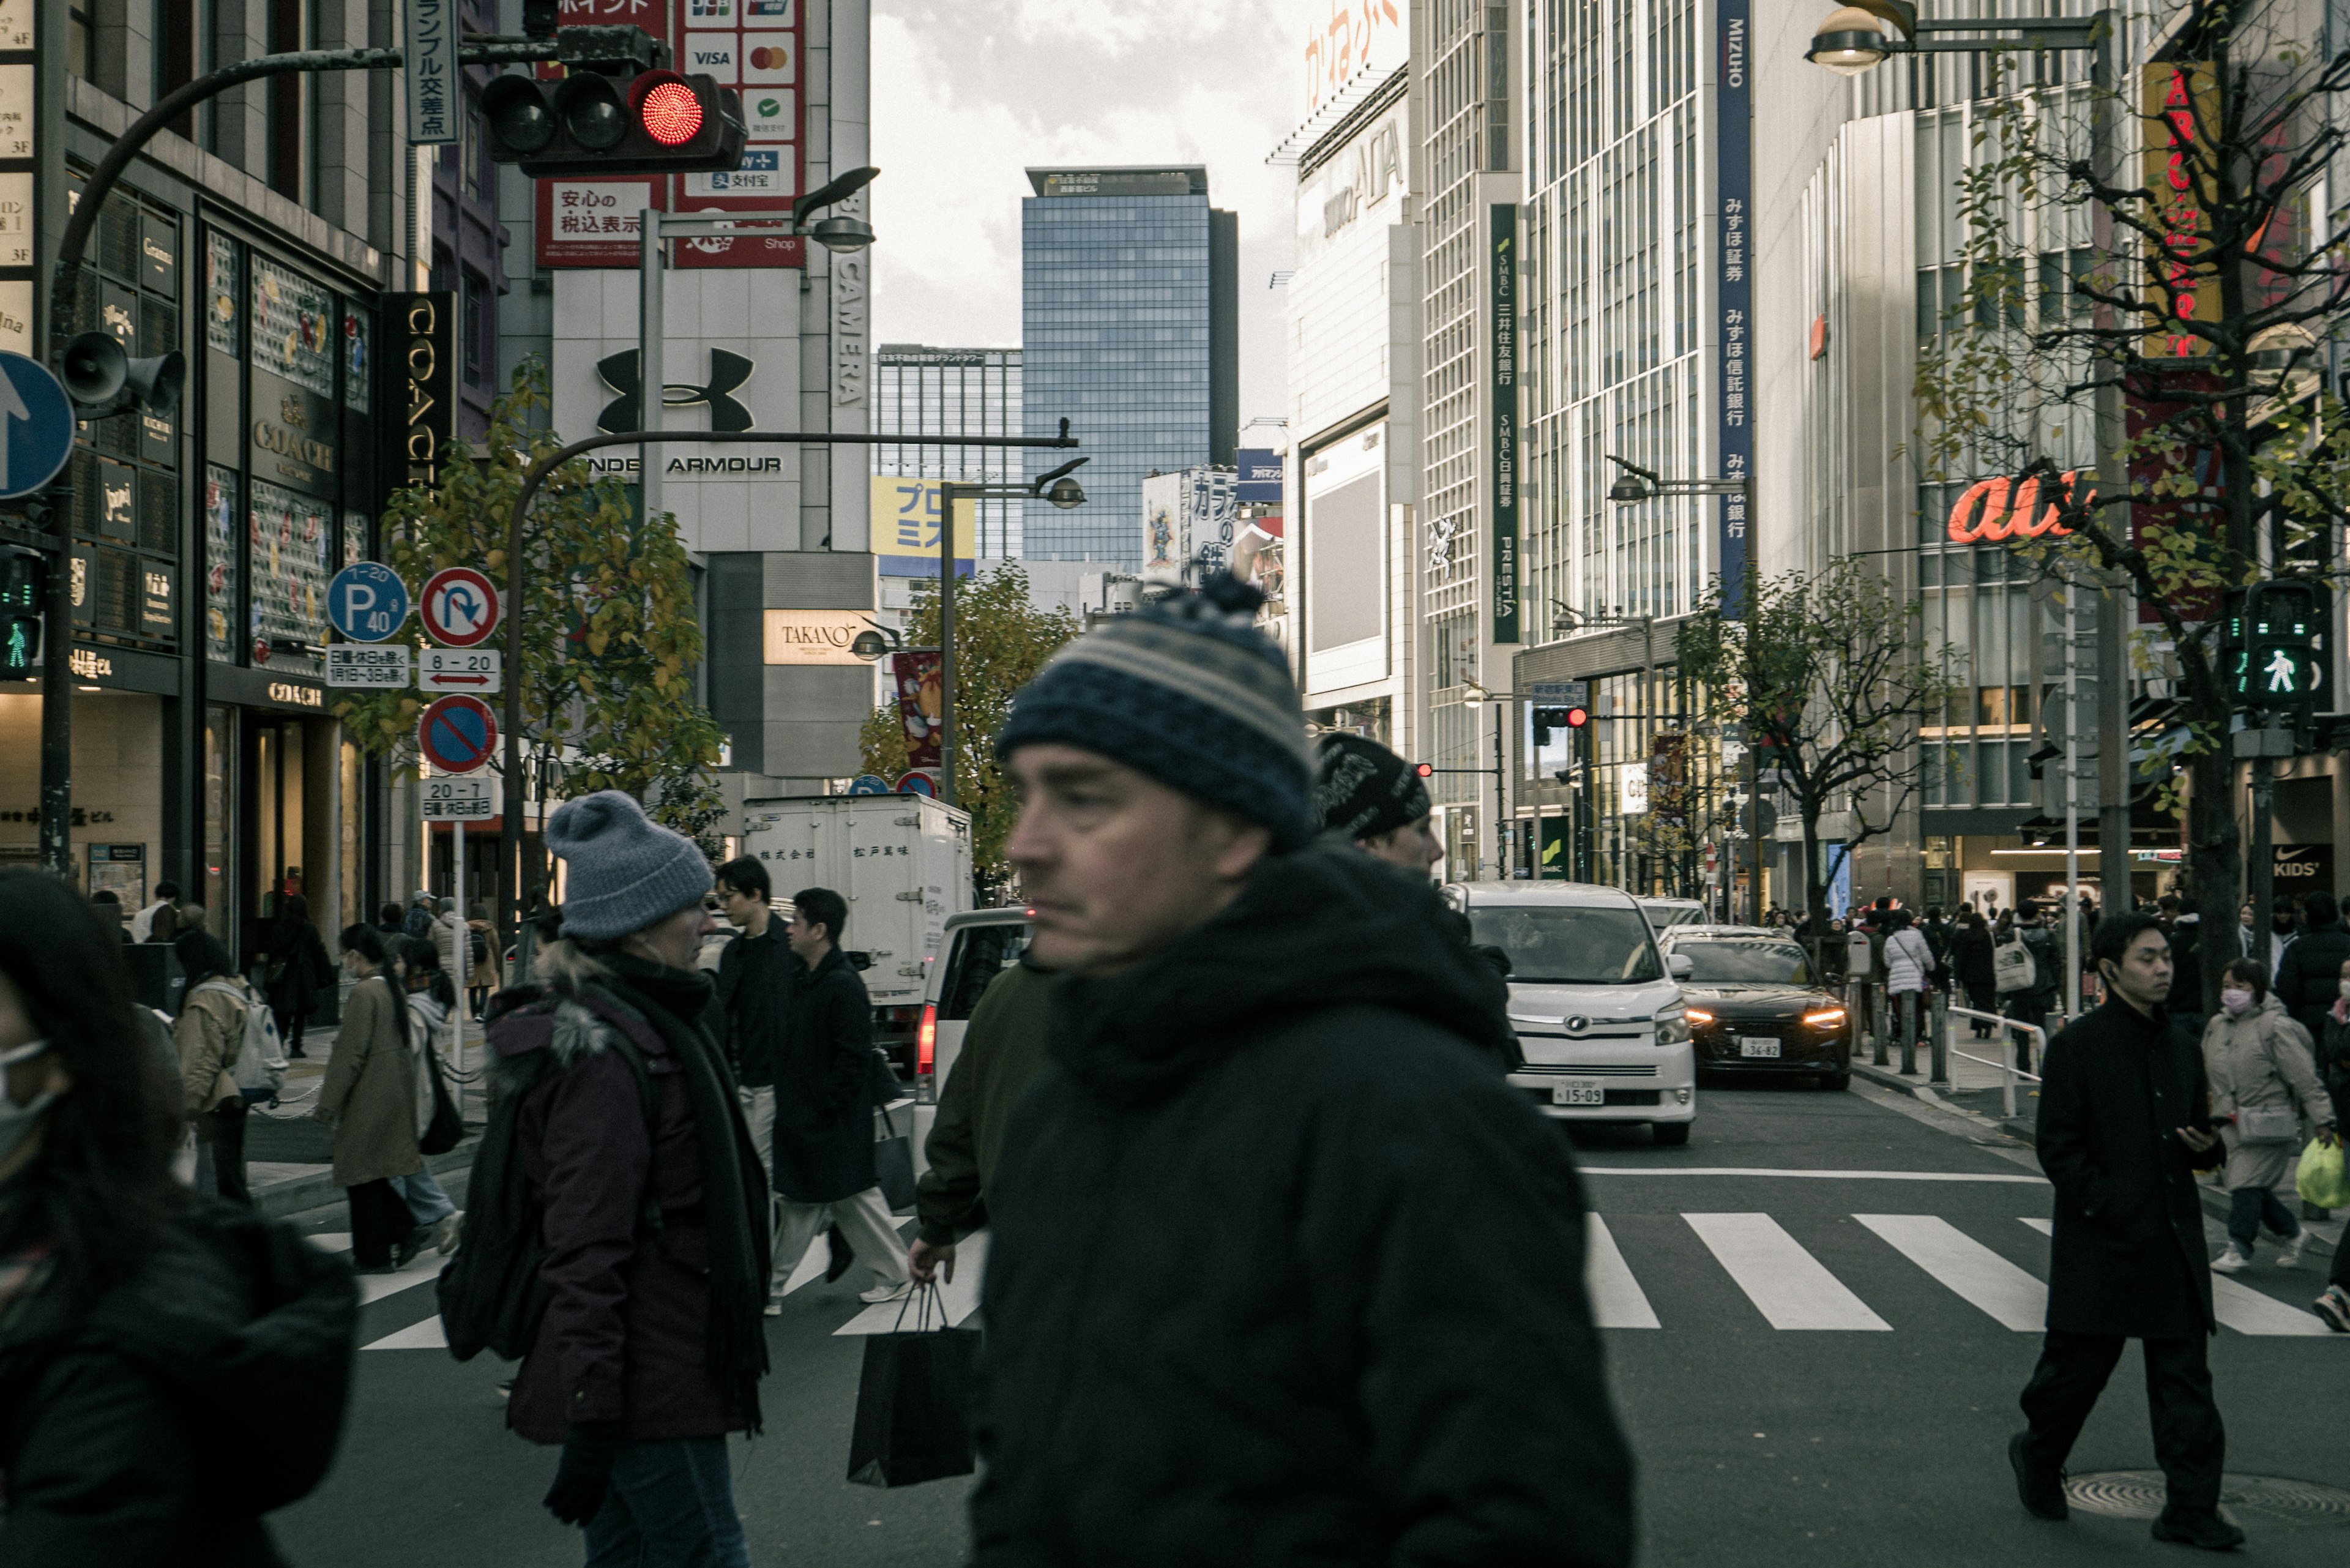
(2009, 1072)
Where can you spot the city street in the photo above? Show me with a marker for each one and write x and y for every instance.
(1814, 1366)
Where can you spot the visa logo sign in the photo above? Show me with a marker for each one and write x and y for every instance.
(713, 59)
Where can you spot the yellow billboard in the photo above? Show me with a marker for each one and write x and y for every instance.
(906, 528)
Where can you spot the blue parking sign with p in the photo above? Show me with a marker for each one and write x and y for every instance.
(367, 602)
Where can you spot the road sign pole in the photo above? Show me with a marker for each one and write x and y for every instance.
(461, 945)
(57, 700)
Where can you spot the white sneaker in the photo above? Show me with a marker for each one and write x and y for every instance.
(2230, 1262)
(885, 1291)
(2290, 1257)
(444, 1234)
(774, 1306)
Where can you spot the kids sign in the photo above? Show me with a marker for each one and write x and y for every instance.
(1994, 511)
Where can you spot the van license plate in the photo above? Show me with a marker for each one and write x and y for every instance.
(1755, 1046)
(1578, 1092)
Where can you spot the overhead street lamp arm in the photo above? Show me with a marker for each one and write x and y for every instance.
(534, 477)
(186, 96)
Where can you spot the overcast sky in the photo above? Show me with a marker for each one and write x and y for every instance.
(968, 93)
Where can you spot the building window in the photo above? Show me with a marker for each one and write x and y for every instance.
(480, 321)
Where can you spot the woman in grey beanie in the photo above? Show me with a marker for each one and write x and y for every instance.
(653, 1343)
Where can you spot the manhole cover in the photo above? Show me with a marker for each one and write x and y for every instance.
(2250, 1500)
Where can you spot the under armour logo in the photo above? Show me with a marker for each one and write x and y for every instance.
(727, 373)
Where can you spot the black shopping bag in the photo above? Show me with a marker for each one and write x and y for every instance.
(913, 1417)
(893, 1162)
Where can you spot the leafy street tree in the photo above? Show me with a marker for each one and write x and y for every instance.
(609, 636)
(2139, 345)
(1831, 674)
(1002, 640)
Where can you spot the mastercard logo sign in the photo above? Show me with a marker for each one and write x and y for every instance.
(770, 58)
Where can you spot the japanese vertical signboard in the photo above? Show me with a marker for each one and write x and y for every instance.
(434, 99)
(1504, 261)
(16, 204)
(751, 45)
(2182, 112)
(1734, 179)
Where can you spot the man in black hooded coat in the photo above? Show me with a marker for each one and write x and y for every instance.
(1282, 1272)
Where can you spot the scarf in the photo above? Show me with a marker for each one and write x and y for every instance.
(733, 1184)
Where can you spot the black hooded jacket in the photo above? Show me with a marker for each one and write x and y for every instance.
(161, 1425)
(1282, 1272)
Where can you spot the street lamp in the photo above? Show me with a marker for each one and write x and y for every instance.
(1056, 487)
(1853, 38)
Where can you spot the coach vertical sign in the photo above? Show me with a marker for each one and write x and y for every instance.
(420, 340)
(1503, 257)
(1734, 179)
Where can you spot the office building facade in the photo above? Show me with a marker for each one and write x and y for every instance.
(1129, 330)
(954, 392)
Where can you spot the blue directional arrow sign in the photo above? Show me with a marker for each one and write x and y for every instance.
(39, 421)
(367, 601)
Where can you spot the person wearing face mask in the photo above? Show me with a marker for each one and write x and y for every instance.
(2262, 1087)
(171, 1368)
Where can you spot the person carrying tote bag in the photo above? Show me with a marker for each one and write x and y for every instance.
(2258, 1061)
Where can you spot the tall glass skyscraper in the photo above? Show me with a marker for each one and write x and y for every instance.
(954, 392)
(1129, 330)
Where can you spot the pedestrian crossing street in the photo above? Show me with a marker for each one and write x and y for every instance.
(1795, 1291)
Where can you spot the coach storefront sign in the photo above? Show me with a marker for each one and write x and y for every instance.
(420, 337)
(814, 637)
(295, 436)
(263, 687)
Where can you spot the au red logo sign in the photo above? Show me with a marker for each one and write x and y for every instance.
(457, 734)
(459, 607)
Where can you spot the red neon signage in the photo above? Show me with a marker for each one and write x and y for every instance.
(1995, 510)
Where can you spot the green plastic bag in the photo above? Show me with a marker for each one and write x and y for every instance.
(2323, 1179)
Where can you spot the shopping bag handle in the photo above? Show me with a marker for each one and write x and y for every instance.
(926, 1295)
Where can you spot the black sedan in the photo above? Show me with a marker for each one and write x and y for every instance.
(1754, 1005)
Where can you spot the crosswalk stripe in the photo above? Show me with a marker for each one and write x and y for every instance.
(960, 1297)
(1788, 1286)
(2244, 1309)
(426, 1335)
(1616, 1299)
(1968, 1267)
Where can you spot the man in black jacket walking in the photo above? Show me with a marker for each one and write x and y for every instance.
(2124, 1123)
(2309, 977)
(824, 1170)
(1282, 1270)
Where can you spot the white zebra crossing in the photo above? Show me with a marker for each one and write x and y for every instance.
(2246, 1310)
(1616, 1299)
(1973, 1271)
(1790, 1289)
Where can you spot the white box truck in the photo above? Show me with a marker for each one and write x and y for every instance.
(902, 861)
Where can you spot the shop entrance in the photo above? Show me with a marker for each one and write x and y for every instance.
(288, 768)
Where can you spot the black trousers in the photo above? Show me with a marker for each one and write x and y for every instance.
(289, 1028)
(2189, 1442)
(380, 1219)
(2340, 1274)
(228, 1150)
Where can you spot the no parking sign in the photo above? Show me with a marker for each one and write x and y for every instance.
(457, 734)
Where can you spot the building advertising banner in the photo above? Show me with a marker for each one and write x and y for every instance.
(917, 675)
(1164, 547)
(2181, 110)
(1505, 324)
(751, 45)
(1733, 290)
(1345, 38)
(906, 528)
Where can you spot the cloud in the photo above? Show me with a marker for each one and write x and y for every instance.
(967, 96)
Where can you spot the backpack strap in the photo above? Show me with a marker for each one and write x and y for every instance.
(648, 1216)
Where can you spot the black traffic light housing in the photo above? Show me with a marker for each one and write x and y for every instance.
(620, 109)
(1558, 716)
(24, 588)
(2277, 657)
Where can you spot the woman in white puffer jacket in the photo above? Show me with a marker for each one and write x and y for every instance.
(1908, 968)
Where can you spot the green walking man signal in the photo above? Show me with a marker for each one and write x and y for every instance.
(24, 582)
(2277, 657)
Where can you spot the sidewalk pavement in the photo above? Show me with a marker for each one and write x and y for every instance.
(289, 1158)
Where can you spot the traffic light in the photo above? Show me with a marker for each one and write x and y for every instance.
(24, 582)
(1424, 770)
(619, 109)
(1558, 716)
(2277, 657)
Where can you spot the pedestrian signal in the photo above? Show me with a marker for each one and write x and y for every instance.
(592, 123)
(2277, 656)
(24, 584)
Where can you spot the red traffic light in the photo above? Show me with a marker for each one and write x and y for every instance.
(668, 108)
(1577, 717)
(1425, 770)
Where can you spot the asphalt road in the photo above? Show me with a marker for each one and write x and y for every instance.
(1830, 1377)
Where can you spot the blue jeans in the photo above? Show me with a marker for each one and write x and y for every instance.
(427, 1204)
(2247, 1207)
(672, 1506)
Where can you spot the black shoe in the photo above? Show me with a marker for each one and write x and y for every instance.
(2208, 1531)
(410, 1245)
(841, 1255)
(2042, 1495)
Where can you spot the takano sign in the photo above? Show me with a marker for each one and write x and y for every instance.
(1995, 511)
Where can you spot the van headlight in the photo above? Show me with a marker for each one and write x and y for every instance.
(1672, 1026)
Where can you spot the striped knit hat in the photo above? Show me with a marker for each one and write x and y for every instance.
(1188, 691)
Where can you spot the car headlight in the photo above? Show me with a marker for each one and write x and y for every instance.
(1672, 1026)
(1824, 1017)
(1697, 1016)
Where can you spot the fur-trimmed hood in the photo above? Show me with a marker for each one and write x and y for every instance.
(557, 1024)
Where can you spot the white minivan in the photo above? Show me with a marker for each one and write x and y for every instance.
(974, 947)
(1595, 1004)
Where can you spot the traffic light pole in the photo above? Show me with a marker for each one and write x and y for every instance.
(56, 632)
(510, 879)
